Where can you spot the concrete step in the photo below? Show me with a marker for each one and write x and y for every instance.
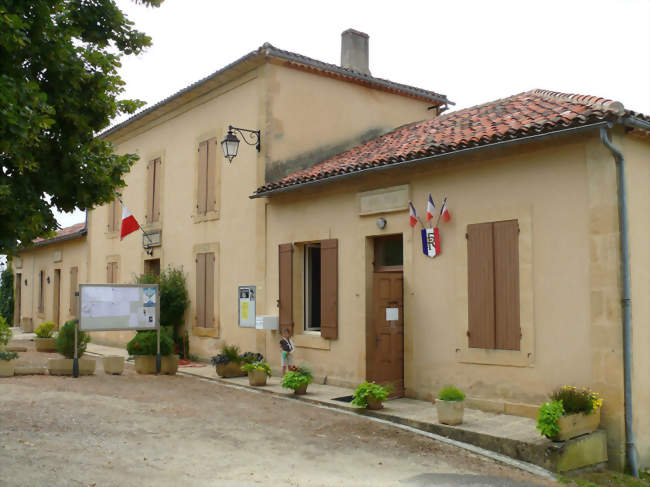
(29, 370)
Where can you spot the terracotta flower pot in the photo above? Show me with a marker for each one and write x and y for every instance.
(146, 364)
(7, 367)
(45, 344)
(113, 364)
(257, 378)
(63, 366)
(373, 403)
(229, 370)
(578, 424)
(301, 390)
(450, 412)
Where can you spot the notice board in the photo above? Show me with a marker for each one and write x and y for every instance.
(108, 307)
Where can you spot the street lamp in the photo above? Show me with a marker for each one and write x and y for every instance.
(230, 143)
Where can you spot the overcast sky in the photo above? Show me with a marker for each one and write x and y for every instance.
(471, 51)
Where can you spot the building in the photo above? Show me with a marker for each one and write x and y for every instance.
(525, 295)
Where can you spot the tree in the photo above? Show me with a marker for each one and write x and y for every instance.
(7, 294)
(59, 87)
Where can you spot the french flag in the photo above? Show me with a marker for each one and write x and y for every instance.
(413, 216)
(431, 208)
(444, 212)
(129, 223)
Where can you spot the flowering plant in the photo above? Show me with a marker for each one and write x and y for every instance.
(297, 377)
(575, 400)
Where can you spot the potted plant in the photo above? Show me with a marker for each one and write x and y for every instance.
(258, 372)
(7, 363)
(143, 347)
(370, 395)
(571, 412)
(65, 346)
(44, 340)
(450, 405)
(228, 362)
(297, 378)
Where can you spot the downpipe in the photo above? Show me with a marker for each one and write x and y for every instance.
(630, 447)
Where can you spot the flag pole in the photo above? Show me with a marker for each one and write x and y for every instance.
(440, 212)
(149, 250)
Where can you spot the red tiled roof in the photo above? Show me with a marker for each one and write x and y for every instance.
(67, 233)
(529, 113)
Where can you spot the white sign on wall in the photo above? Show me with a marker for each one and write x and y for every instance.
(247, 309)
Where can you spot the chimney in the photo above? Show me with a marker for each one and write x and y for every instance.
(354, 51)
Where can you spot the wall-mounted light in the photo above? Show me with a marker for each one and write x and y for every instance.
(25, 282)
(230, 143)
(48, 279)
(381, 223)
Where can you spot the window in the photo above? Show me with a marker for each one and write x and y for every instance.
(112, 273)
(208, 177)
(114, 216)
(388, 253)
(152, 267)
(41, 292)
(205, 265)
(312, 287)
(493, 285)
(154, 175)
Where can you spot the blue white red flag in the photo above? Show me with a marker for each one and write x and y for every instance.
(413, 216)
(431, 208)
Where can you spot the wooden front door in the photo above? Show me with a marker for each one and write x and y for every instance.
(17, 304)
(56, 297)
(385, 348)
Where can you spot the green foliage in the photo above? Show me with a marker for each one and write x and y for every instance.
(59, 87)
(7, 294)
(231, 352)
(451, 393)
(297, 377)
(5, 332)
(173, 294)
(547, 418)
(65, 340)
(250, 357)
(8, 355)
(248, 366)
(577, 400)
(145, 343)
(369, 389)
(45, 330)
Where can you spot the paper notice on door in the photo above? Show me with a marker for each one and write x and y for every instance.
(392, 314)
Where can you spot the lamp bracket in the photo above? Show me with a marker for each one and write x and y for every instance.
(254, 135)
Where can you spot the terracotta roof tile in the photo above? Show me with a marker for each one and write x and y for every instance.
(66, 233)
(529, 113)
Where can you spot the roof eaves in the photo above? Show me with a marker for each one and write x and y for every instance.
(53, 240)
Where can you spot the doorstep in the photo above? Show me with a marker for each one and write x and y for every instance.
(512, 436)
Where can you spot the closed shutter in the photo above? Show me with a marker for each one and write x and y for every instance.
(201, 190)
(155, 190)
(506, 285)
(109, 272)
(74, 285)
(209, 290)
(41, 292)
(329, 290)
(285, 287)
(211, 175)
(114, 216)
(148, 213)
(110, 226)
(480, 267)
(200, 290)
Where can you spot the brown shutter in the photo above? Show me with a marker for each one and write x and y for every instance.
(480, 277)
(211, 175)
(329, 289)
(151, 170)
(200, 290)
(201, 190)
(41, 292)
(285, 287)
(74, 285)
(506, 285)
(209, 290)
(155, 190)
(116, 272)
(117, 215)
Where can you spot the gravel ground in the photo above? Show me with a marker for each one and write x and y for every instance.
(134, 430)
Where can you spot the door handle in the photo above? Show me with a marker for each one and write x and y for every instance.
(376, 340)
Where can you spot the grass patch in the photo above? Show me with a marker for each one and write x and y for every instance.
(605, 478)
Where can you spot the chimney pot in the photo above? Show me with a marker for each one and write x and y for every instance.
(354, 51)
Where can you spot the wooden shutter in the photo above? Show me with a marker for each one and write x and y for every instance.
(151, 170)
(155, 190)
(480, 270)
(506, 285)
(201, 190)
(41, 292)
(109, 272)
(117, 215)
(209, 290)
(200, 290)
(211, 176)
(111, 217)
(285, 287)
(329, 289)
(74, 285)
